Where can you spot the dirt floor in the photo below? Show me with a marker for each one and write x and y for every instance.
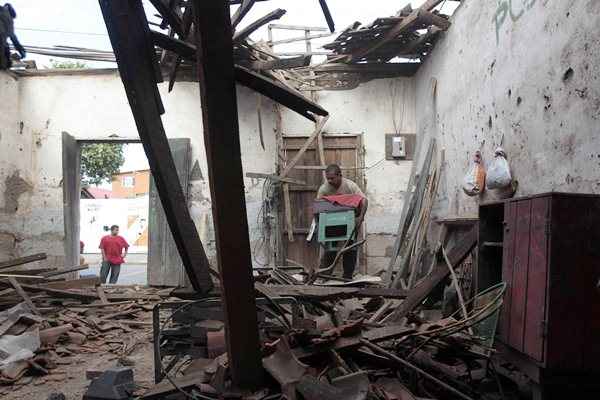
(69, 377)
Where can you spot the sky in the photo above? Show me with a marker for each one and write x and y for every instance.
(79, 23)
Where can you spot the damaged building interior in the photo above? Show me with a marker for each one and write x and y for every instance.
(404, 207)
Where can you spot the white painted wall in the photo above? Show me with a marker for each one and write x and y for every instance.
(15, 169)
(94, 106)
(493, 55)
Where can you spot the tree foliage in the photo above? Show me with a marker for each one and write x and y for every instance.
(99, 162)
(67, 64)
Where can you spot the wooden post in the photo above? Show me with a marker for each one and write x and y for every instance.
(221, 138)
(130, 38)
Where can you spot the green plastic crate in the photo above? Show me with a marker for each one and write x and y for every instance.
(335, 227)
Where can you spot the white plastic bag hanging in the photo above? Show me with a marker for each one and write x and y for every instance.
(498, 176)
(474, 182)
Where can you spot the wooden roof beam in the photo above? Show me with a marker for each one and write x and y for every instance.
(241, 12)
(268, 87)
(247, 31)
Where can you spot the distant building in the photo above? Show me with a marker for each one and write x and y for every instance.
(131, 184)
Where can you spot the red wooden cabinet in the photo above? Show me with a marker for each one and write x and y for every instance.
(550, 260)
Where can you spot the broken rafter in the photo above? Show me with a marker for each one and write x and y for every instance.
(268, 87)
(130, 37)
(401, 27)
(279, 92)
(247, 31)
(420, 292)
(327, 15)
(241, 12)
(169, 15)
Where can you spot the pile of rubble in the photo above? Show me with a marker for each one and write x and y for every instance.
(326, 340)
(49, 323)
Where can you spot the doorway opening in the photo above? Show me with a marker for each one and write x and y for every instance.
(115, 188)
(126, 197)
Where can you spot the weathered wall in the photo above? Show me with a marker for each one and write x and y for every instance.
(524, 75)
(374, 109)
(94, 106)
(15, 166)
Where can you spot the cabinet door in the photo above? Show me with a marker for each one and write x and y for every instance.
(519, 275)
(537, 276)
(510, 212)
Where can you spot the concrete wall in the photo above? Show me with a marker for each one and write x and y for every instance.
(524, 75)
(92, 106)
(15, 163)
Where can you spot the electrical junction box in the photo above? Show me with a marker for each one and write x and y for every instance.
(398, 147)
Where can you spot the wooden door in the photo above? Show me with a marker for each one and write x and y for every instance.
(525, 269)
(71, 160)
(165, 267)
(345, 150)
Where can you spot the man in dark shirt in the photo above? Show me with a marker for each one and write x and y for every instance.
(7, 30)
(114, 250)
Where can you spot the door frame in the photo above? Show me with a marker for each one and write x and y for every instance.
(71, 171)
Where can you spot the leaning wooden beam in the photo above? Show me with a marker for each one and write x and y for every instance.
(278, 92)
(268, 87)
(130, 37)
(178, 46)
(327, 15)
(22, 260)
(222, 141)
(241, 12)
(256, 175)
(420, 292)
(23, 295)
(408, 207)
(169, 15)
(292, 163)
(247, 31)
